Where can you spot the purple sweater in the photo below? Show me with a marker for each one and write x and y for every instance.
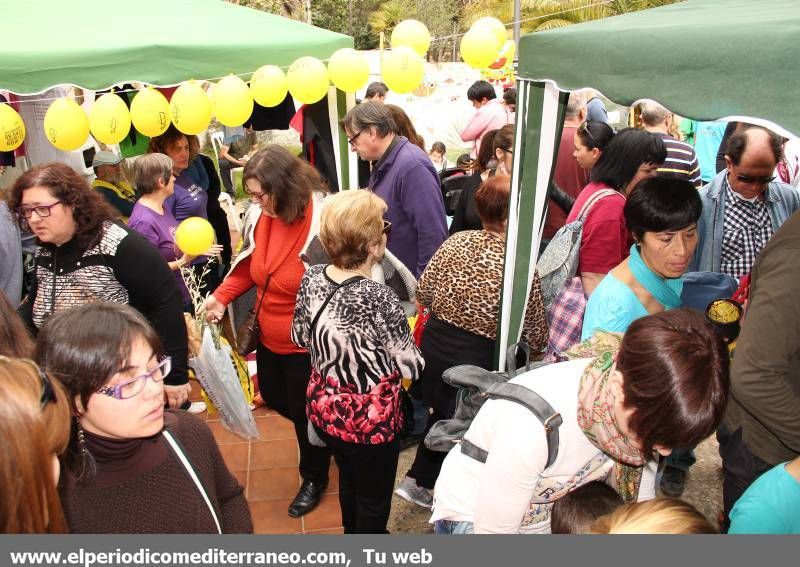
(406, 180)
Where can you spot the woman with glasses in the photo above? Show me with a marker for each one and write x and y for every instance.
(155, 183)
(461, 287)
(591, 139)
(131, 466)
(34, 427)
(277, 232)
(361, 349)
(85, 256)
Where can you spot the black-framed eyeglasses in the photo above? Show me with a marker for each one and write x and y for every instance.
(352, 141)
(41, 210)
(754, 179)
(507, 150)
(584, 127)
(258, 196)
(136, 385)
(387, 227)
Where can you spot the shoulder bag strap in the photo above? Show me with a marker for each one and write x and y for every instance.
(346, 282)
(536, 404)
(188, 466)
(592, 200)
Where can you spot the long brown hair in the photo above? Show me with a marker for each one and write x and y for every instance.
(405, 127)
(89, 209)
(15, 340)
(286, 178)
(32, 434)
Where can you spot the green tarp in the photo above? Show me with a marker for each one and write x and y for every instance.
(161, 42)
(703, 59)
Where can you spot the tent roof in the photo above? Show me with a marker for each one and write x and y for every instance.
(703, 59)
(99, 44)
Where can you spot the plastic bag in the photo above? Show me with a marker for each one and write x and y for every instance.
(220, 380)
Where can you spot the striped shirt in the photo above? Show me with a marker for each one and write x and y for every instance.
(745, 231)
(681, 161)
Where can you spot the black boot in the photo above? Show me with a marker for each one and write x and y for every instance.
(307, 498)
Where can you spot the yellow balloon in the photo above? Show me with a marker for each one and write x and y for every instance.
(479, 47)
(194, 236)
(402, 69)
(348, 69)
(495, 26)
(12, 129)
(233, 103)
(109, 119)
(150, 112)
(66, 125)
(190, 108)
(269, 85)
(413, 34)
(308, 80)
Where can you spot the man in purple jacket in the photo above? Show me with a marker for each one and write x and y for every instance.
(404, 177)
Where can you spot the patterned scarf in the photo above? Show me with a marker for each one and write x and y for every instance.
(596, 412)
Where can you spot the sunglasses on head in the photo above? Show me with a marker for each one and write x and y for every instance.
(584, 127)
(387, 227)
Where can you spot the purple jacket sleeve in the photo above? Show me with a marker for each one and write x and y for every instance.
(421, 199)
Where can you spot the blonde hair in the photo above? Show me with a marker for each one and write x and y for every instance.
(659, 516)
(352, 221)
(31, 435)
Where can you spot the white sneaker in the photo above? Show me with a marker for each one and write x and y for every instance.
(197, 407)
(410, 491)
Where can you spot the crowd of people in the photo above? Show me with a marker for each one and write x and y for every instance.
(93, 359)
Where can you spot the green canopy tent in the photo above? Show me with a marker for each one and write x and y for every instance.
(97, 45)
(703, 59)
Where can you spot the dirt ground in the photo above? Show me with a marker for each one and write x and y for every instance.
(703, 490)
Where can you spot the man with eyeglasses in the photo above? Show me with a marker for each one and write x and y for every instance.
(405, 178)
(743, 206)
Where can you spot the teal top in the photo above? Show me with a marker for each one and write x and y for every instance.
(612, 307)
(770, 506)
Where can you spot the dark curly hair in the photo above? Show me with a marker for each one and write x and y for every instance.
(286, 178)
(160, 144)
(89, 209)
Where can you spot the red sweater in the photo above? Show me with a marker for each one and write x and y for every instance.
(277, 252)
(605, 241)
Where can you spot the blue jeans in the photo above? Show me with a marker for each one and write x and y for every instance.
(450, 527)
(681, 459)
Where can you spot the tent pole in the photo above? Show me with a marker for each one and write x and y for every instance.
(540, 117)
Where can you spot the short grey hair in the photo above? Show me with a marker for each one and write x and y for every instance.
(149, 169)
(370, 114)
(576, 101)
(653, 113)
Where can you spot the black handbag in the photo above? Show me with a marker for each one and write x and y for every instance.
(249, 332)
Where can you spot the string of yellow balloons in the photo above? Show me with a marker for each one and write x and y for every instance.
(190, 109)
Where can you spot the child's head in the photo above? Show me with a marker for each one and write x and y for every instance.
(438, 151)
(575, 512)
(659, 516)
(464, 161)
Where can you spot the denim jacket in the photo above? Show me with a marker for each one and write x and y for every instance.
(782, 201)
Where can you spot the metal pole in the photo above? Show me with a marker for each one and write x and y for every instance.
(517, 18)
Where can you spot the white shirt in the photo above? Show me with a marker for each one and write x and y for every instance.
(513, 492)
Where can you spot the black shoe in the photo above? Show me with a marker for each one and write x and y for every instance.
(307, 498)
(673, 482)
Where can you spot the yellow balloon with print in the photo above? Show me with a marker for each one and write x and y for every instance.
(402, 69)
(348, 69)
(150, 112)
(479, 47)
(109, 119)
(269, 85)
(413, 34)
(194, 236)
(495, 26)
(308, 80)
(12, 129)
(233, 103)
(190, 108)
(66, 125)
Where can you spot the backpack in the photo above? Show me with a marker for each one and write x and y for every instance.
(559, 261)
(476, 385)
